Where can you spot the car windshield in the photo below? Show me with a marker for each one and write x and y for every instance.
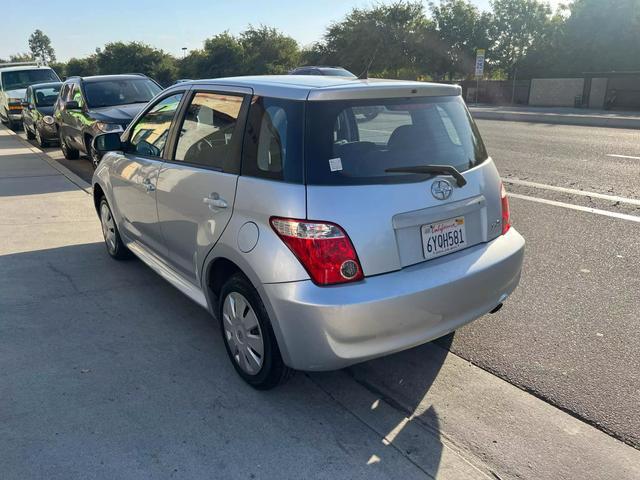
(18, 79)
(337, 72)
(108, 93)
(356, 142)
(46, 96)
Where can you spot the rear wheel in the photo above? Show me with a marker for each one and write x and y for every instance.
(30, 135)
(69, 153)
(248, 335)
(115, 246)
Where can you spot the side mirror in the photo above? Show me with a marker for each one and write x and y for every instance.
(107, 142)
(71, 105)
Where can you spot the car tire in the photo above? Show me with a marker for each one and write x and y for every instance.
(115, 246)
(245, 325)
(41, 141)
(30, 135)
(68, 152)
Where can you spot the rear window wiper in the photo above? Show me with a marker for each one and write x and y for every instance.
(433, 169)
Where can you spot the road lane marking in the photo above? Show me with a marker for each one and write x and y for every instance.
(622, 156)
(580, 208)
(572, 191)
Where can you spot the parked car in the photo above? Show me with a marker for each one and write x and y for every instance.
(322, 70)
(14, 80)
(316, 243)
(37, 112)
(89, 106)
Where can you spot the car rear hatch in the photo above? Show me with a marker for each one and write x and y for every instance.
(400, 218)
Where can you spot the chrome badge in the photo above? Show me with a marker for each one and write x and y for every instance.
(441, 189)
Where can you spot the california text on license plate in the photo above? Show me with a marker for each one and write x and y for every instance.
(443, 237)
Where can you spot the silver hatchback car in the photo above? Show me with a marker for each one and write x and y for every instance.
(317, 235)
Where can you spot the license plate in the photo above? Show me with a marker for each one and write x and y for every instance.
(443, 237)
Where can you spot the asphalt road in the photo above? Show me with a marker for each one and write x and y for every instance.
(570, 333)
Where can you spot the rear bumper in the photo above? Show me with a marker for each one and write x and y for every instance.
(325, 328)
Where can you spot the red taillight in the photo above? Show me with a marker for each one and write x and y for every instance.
(323, 248)
(506, 214)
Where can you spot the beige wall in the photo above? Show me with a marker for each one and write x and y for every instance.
(598, 92)
(555, 92)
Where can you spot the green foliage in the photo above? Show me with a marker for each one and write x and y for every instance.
(515, 25)
(82, 67)
(394, 39)
(21, 57)
(136, 57)
(222, 56)
(267, 51)
(40, 47)
(461, 29)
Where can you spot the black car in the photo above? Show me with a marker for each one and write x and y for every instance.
(89, 106)
(322, 70)
(37, 112)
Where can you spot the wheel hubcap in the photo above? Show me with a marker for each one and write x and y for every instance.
(108, 227)
(242, 333)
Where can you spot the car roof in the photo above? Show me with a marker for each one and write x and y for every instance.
(36, 86)
(24, 67)
(98, 78)
(323, 87)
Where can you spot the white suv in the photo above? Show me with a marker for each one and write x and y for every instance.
(14, 80)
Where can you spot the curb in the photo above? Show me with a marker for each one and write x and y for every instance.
(72, 177)
(558, 119)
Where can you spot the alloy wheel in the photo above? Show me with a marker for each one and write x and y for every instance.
(242, 333)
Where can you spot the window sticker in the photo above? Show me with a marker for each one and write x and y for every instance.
(335, 164)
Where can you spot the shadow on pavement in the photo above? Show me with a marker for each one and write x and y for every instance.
(107, 371)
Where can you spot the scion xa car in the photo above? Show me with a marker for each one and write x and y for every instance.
(90, 106)
(37, 112)
(316, 243)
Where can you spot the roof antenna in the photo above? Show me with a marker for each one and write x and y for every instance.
(365, 74)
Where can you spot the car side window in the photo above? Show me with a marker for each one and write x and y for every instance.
(209, 133)
(273, 140)
(149, 135)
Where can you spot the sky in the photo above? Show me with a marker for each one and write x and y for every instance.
(77, 27)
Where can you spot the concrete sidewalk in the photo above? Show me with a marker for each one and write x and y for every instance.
(107, 372)
(558, 115)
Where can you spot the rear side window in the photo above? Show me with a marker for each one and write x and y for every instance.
(273, 140)
(149, 135)
(209, 132)
(355, 142)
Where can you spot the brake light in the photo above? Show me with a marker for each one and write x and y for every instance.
(323, 249)
(506, 213)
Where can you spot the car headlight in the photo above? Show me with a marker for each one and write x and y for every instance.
(109, 127)
(48, 119)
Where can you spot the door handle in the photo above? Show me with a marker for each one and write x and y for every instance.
(149, 187)
(215, 201)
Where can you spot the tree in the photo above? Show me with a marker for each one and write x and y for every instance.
(21, 57)
(136, 57)
(602, 36)
(394, 39)
(514, 27)
(461, 29)
(222, 56)
(82, 67)
(40, 47)
(267, 51)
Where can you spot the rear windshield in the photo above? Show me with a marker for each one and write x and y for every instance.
(17, 79)
(46, 96)
(355, 141)
(108, 93)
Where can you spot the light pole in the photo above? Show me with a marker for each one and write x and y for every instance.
(184, 52)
